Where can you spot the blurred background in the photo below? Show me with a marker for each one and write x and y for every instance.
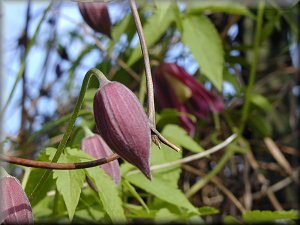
(263, 171)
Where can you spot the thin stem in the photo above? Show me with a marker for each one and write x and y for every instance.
(150, 92)
(190, 158)
(22, 67)
(252, 76)
(57, 166)
(197, 186)
(67, 134)
(219, 185)
(157, 138)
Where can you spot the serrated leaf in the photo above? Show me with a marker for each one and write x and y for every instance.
(69, 183)
(231, 7)
(205, 44)
(164, 155)
(162, 189)
(257, 216)
(108, 194)
(180, 137)
(155, 27)
(107, 189)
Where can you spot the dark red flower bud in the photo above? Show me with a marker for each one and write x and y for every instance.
(96, 15)
(14, 205)
(96, 147)
(123, 124)
(175, 88)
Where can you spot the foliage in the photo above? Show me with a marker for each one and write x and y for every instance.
(241, 52)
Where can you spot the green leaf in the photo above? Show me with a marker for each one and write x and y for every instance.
(126, 25)
(135, 194)
(164, 155)
(107, 189)
(231, 78)
(108, 194)
(165, 216)
(155, 27)
(76, 63)
(231, 220)
(69, 182)
(257, 216)
(230, 7)
(260, 125)
(89, 210)
(180, 137)
(261, 102)
(206, 211)
(163, 190)
(204, 42)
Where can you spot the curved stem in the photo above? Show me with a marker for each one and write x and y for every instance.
(57, 166)
(67, 134)
(189, 158)
(150, 92)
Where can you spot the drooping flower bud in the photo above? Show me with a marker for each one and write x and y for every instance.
(175, 88)
(123, 124)
(96, 15)
(14, 205)
(96, 147)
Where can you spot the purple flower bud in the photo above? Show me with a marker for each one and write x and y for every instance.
(96, 15)
(123, 124)
(14, 206)
(96, 147)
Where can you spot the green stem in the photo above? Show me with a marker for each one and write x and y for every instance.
(197, 186)
(252, 76)
(67, 134)
(87, 131)
(22, 67)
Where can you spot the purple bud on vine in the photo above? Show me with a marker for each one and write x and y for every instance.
(123, 124)
(96, 15)
(14, 204)
(97, 147)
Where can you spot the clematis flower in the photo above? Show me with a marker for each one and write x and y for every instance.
(175, 88)
(97, 147)
(14, 204)
(96, 15)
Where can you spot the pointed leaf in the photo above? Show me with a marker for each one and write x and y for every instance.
(162, 190)
(180, 137)
(69, 183)
(108, 194)
(204, 42)
(257, 216)
(229, 7)
(155, 27)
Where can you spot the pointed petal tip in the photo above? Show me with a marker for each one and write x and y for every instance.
(148, 174)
